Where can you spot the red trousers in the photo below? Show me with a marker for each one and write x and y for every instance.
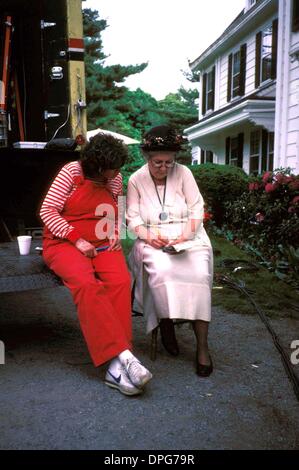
(100, 288)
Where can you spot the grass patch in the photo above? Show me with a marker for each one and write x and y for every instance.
(275, 297)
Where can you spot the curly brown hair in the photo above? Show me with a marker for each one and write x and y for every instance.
(102, 152)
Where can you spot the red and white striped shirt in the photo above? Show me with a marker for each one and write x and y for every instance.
(60, 190)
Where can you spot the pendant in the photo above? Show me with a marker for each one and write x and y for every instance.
(163, 216)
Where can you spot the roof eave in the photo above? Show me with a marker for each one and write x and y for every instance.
(243, 24)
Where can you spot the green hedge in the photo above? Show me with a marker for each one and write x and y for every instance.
(265, 219)
(219, 184)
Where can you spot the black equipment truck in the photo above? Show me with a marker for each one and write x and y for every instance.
(42, 103)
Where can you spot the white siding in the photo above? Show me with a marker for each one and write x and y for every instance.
(222, 67)
(195, 155)
(292, 148)
(250, 65)
(285, 89)
(223, 80)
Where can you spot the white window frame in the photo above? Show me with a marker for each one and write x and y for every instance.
(205, 156)
(235, 159)
(254, 155)
(235, 52)
(264, 30)
(209, 74)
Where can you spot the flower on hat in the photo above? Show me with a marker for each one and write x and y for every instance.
(162, 138)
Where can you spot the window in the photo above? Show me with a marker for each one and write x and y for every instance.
(208, 91)
(236, 73)
(261, 151)
(234, 150)
(206, 156)
(234, 147)
(254, 159)
(266, 53)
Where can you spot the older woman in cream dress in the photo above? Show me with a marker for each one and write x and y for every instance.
(171, 259)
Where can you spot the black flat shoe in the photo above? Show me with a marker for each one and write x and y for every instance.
(203, 370)
(168, 337)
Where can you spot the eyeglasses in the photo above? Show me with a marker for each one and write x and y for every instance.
(159, 164)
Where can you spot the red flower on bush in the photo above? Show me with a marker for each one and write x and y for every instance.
(207, 216)
(267, 176)
(288, 179)
(270, 187)
(280, 178)
(253, 186)
(295, 200)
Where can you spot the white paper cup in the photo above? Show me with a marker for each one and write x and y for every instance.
(24, 242)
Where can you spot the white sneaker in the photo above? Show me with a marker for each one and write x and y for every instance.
(136, 372)
(119, 379)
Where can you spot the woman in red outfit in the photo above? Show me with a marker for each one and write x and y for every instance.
(81, 245)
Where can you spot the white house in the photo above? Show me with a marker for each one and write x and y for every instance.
(249, 91)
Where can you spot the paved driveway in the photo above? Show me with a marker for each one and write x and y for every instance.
(53, 398)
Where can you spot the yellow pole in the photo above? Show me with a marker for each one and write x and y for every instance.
(76, 68)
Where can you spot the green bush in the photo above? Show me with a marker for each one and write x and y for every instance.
(219, 184)
(265, 219)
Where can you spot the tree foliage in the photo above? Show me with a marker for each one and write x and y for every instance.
(112, 106)
(104, 92)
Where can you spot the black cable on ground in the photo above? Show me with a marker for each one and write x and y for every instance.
(285, 358)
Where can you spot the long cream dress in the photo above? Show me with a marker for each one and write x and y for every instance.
(169, 286)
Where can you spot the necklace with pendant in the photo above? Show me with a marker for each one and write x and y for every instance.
(163, 214)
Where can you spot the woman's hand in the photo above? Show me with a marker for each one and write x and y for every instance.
(156, 241)
(150, 237)
(176, 241)
(114, 244)
(86, 248)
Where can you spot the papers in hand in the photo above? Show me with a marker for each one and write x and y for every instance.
(183, 246)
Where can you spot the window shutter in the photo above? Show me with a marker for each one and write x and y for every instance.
(240, 149)
(274, 48)
(243, 52)
(264, 149)
(229, 77)
(227, 150)
(204, 93)
(295, 22)
(258, 45)
(202, 156)
(213, 85)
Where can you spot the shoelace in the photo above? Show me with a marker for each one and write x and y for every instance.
(134, 368)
